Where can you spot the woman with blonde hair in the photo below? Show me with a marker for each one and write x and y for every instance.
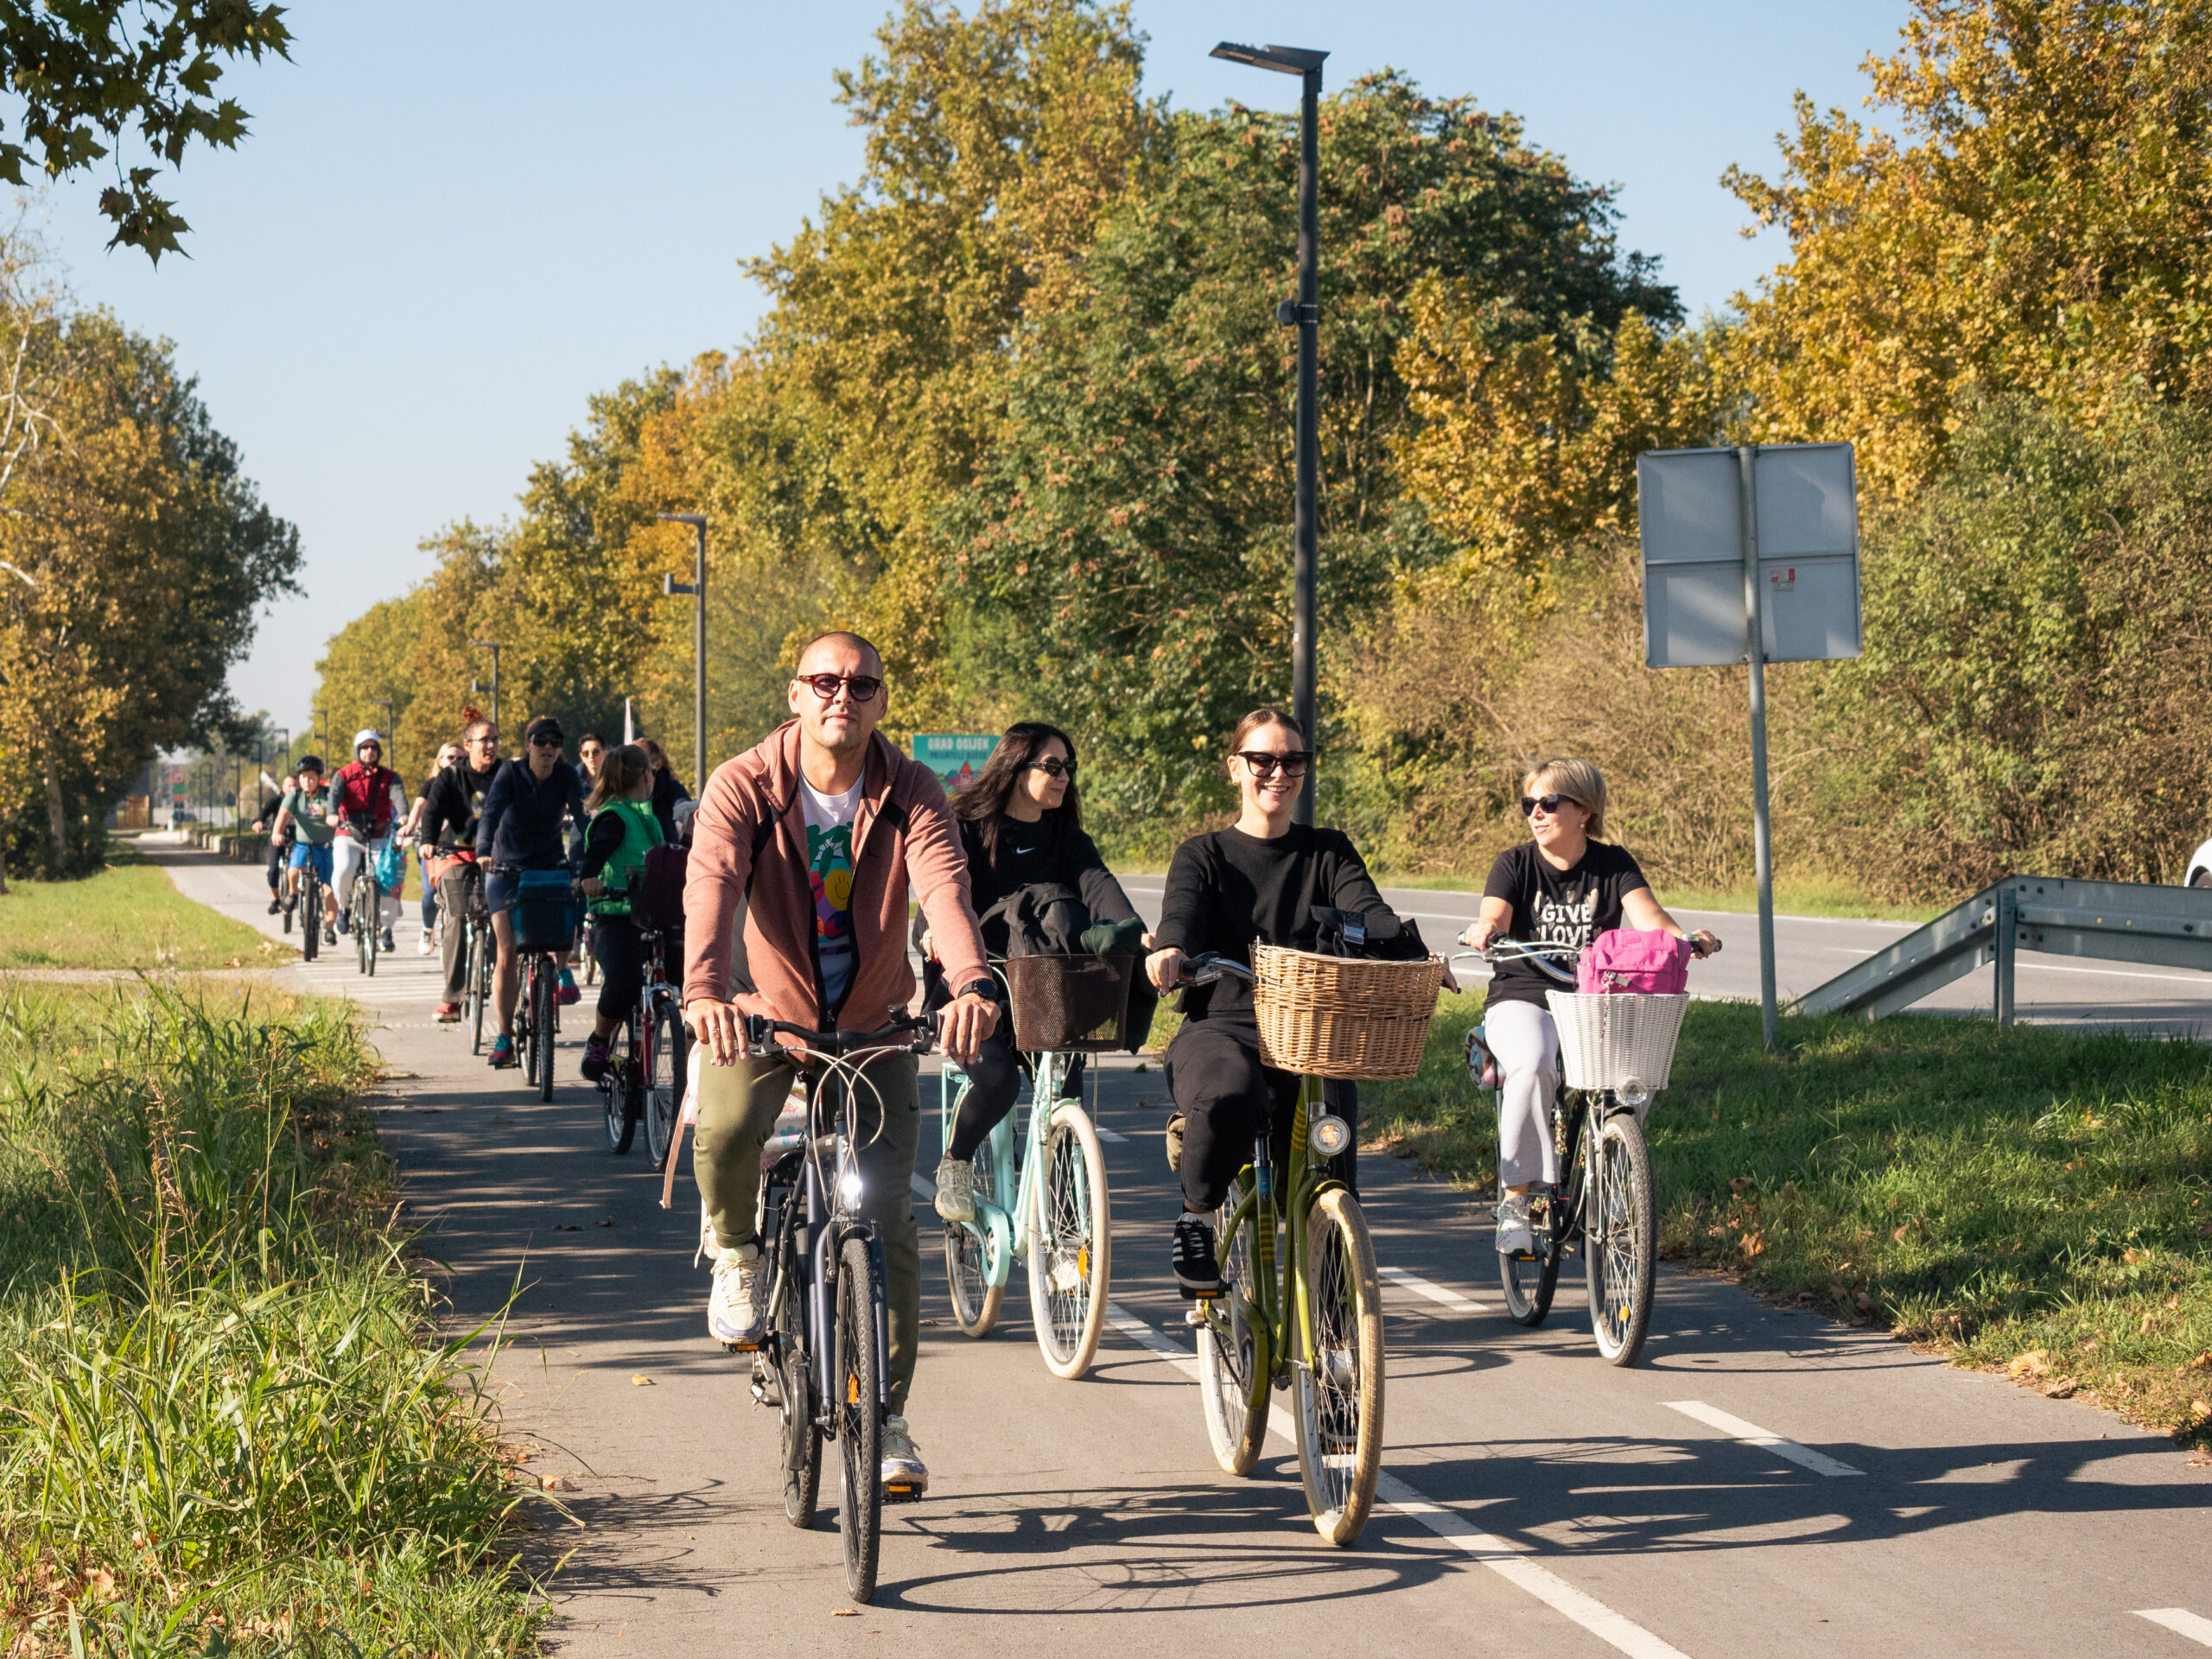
(1565, 885)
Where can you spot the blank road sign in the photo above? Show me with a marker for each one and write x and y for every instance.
(1690, 506)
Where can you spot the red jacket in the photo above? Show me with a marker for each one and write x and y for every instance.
(904, 836)
(363, 792)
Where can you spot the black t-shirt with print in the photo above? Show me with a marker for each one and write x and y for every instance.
(452, 801)
(1551, 906)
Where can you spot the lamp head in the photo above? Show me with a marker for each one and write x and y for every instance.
(1283, 60)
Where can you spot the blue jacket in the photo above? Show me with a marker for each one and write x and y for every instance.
(521, 821)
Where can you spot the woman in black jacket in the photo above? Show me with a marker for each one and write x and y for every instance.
(1020, 821)
(1256, 882)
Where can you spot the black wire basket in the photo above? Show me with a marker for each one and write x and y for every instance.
(1078, 1004)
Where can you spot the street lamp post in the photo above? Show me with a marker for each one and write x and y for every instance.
(391, 727)
(319, 727)
(697, 588)
(493, 645)
(1304, 314)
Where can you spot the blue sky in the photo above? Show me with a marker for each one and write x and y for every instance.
(452, 223)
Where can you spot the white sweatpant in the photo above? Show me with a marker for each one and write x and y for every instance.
(1526, 1042)
(347, 855)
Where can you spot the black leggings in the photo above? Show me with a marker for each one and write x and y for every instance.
(993, 1083)
(1214, 1073)
(622, 953)
(278, 852)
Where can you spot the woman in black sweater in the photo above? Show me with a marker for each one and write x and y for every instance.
(1020, 821)
(1256, 882)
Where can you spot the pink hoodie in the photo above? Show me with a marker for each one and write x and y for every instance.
(903, 834)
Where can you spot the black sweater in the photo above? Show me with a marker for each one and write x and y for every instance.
(1052, 849)
(1228, 891)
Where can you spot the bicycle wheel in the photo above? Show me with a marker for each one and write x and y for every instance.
(1529, 1281)
(541, 1017)
(481, 962)
(364, 921)
(1340, 1385)
(1233, 1358)
(617, 1091)
(860, 1423)
(1070, 1249)
(310, 917)
(975, 1300)
(1620, 1253)
(802, 1440)
(665, 1060)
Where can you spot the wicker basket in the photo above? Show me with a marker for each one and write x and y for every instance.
(1328, 1017)
(1609, 1041)
(1078, 1003)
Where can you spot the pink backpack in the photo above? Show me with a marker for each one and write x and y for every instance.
(1626, 959)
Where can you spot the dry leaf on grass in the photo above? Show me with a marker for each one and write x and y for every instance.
(2064, 1388)
(2034, 1363)
(557, 1483)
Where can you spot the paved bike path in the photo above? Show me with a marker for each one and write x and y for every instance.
(1546, 1502)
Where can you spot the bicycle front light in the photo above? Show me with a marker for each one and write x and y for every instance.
(1330, 1134)
(849, 1188)
(1635, 1093)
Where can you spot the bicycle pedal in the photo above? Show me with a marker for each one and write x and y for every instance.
(753, 1347)
(903, 1492)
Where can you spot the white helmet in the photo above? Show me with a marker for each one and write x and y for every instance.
(366, 734)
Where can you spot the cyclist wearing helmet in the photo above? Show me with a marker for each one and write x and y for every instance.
(304, 821)
(521, 829)
(1565, 885)
(367, 799)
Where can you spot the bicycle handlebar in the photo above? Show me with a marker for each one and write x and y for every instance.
(1209, 966)
(918, 1032)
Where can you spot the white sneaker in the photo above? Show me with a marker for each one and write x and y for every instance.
(1515, 1235)
(955, 1189)
(710, 1248)
(904, 1475)
(425, 945)
(733, 1312)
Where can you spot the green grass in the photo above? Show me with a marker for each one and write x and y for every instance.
(227, 1423)
(2027, 1198)
(130, 915)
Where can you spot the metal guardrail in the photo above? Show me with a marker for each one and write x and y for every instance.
(2117, 921)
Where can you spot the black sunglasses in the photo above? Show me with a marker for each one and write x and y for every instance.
(1264, 763)
(545, 742)
(1051, 766)
(1551, 803)
(864, 687)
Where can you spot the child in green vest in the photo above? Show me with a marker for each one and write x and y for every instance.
(623, 828)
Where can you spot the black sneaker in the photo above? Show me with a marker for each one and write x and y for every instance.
(274, 906)
(1196, 1270)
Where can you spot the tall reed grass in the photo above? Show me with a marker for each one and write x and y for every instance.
(229, 1422)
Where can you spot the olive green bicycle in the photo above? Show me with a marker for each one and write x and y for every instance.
(1302, 1308)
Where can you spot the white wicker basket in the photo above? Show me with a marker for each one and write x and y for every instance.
(1613, 1041)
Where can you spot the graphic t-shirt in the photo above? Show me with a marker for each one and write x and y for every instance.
(829, 872)
(311, 814)
(1551, 906)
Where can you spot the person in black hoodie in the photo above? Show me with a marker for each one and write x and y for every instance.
(1021, 822)
(1256, 882)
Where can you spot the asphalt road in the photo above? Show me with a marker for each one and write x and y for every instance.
(1764, 1483)
(1809, 951)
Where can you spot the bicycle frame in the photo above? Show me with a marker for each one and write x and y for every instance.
(1257, 1214)
(1004, 1235)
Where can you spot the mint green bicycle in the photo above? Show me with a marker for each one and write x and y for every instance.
(1048, 1204)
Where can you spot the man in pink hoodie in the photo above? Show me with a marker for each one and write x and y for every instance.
(814, 839)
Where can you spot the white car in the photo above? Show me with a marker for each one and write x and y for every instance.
(2200, 868)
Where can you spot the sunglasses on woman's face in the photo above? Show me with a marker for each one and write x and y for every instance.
(1550, 804)
(864, 687)
(1052, 766)
(1264, 763)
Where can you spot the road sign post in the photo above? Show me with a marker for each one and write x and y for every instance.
(1750, 555)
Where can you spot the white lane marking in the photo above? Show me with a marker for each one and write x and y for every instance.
(924, 1187)
(1112, 1137)
(2181, 1622)
(1434, 1293)
(1506, 1560)
(1500, 1557)
(1752, 1434)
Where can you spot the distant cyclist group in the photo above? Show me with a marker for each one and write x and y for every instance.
(810, 865)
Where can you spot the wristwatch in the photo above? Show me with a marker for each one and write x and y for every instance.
(984, 988)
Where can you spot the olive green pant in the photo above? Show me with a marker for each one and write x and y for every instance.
(738, 1108)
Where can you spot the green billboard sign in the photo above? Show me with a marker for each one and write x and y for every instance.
(956, 757)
